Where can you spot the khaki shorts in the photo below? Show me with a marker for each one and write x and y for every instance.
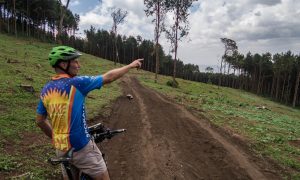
(88, 160)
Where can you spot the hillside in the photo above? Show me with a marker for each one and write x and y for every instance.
(267, 129)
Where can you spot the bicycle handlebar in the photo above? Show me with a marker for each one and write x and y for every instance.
(108, 134)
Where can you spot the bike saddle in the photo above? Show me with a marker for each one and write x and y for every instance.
(64, 159)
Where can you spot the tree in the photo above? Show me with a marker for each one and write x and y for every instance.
(287, 71)
(1, 21)
(230, 48)
(62, 15)
(209, 69)
(157, 8)
(297, 64)
(15, 18)
(118, 16)
(180, 27)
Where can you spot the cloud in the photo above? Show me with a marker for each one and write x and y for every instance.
(257, 13)
(277, 21)
(100, 16)
(71, 3)
(74, 3)
(265, 2)
(256, 25)
(94, 19)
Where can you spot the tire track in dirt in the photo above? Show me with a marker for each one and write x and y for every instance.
(234, 152)
(148, 148)
(165, 141)
(151, 145)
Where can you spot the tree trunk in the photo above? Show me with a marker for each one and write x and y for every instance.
(296, 89)
(157, 5)
(288, 94)
(220, 77)
(114, 52)
(273, 86)
(124, 53)
(156, 61)
(132, 52)
(277, 88)
(117, 52)
(23, 25)
(7, 15)
(233, 80)
(283, 88)
(269, 88)
(62, 15)
(148, 65)
(176, 45)
(15, 18)
(262, 86)
(27, 19)
(0, 18)
(259, 82)
(106, 47)
(242, 80)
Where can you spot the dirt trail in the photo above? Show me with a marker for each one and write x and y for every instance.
(165, 141)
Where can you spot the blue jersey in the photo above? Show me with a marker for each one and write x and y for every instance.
(63, 101)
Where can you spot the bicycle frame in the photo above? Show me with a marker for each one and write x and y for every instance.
(98, 133)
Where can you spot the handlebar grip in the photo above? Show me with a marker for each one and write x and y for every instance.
(107, 135)
(117, 131)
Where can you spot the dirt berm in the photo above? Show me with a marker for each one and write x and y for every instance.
(165, 141)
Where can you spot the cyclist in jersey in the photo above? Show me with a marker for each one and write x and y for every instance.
(61, 110)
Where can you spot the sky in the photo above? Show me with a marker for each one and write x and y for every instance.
(258, 26)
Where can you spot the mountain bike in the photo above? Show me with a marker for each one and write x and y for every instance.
(98, 133)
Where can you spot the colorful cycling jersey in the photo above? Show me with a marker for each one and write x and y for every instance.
(63, 101)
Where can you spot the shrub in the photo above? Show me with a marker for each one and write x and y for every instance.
(172, 83)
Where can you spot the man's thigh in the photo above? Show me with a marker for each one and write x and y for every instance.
(89, 160)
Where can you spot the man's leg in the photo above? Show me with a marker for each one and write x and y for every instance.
(89, 160)
(102, 176)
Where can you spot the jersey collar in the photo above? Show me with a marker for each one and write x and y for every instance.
(60, 76)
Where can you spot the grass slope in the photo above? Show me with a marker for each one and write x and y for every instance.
(17, 106)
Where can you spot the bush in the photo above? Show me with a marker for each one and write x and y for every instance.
(172, 83)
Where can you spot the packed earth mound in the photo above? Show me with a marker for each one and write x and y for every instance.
(165, 141)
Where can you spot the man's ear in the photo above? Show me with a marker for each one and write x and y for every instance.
(63, 64)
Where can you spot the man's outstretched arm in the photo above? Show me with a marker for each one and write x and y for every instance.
(115, 74)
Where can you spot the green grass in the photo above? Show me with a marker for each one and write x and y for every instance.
(268, 130)
(18, 107)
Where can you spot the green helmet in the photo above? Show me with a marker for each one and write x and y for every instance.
(62, 53)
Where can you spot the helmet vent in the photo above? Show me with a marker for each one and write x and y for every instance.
(65, 54)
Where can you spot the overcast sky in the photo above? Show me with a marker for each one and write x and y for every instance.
(257, 26)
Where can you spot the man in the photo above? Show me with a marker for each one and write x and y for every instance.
(62, 101)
